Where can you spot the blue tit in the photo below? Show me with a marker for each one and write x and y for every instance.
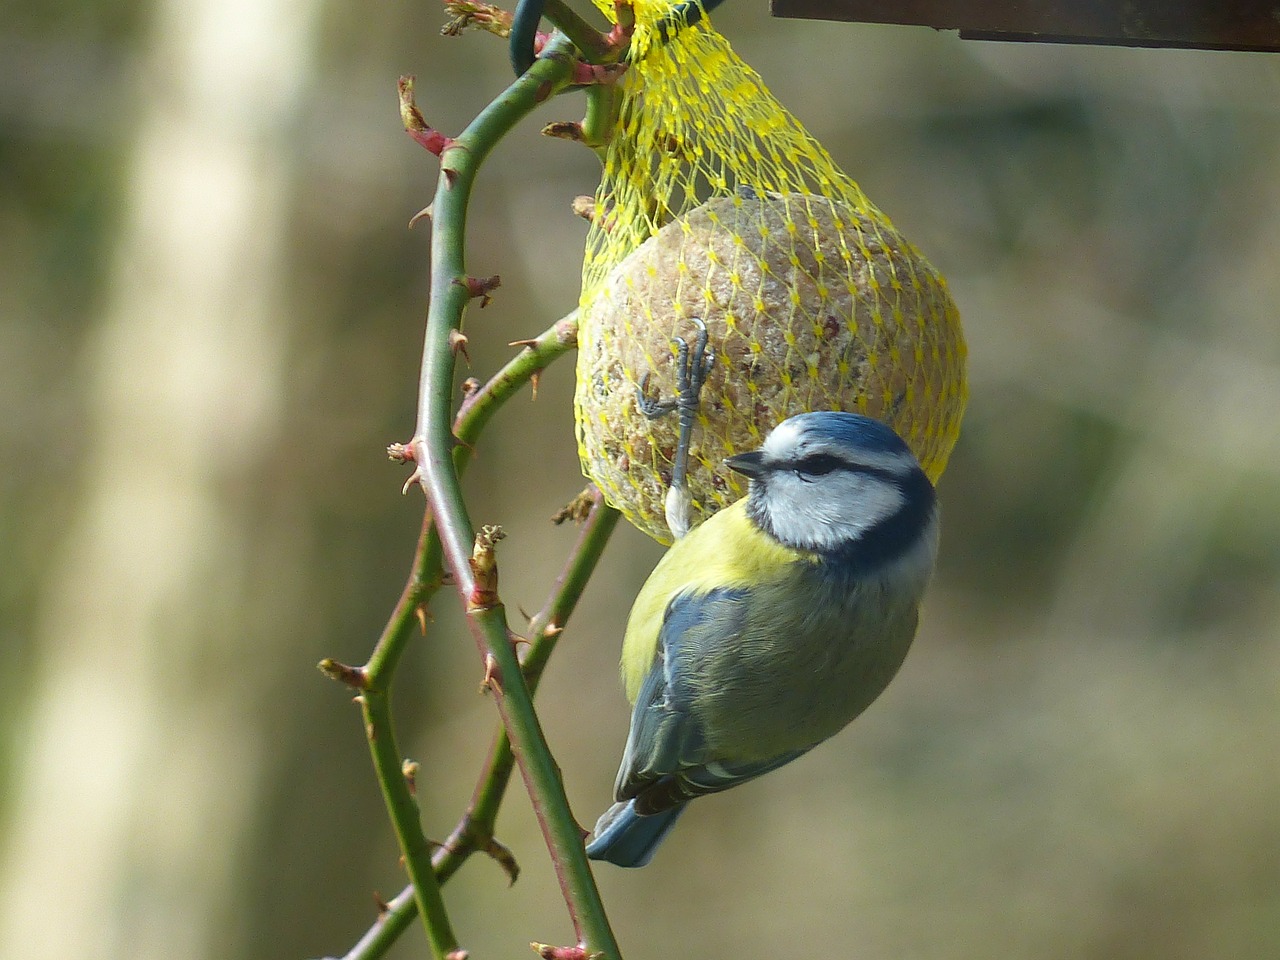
(768, 628)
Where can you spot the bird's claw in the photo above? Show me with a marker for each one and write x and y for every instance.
(693, 367)
(652, 407)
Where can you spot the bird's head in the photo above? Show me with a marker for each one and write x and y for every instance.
(839, 484)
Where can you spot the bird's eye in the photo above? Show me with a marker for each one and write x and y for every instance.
(817, 465)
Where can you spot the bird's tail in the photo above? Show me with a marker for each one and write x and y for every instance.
(627, 838)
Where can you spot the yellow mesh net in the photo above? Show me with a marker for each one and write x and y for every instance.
(715, 203)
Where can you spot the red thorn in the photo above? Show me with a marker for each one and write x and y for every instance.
(430, 138)
(354, 677)
(548, 952)
(603, 74)
(480, 287)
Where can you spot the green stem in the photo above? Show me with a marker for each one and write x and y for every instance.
(594, 45)
(479, 407)
(407, 822)
(424, 580)
(476, 827)
(603, 102)
(375, 700)
(433, 450)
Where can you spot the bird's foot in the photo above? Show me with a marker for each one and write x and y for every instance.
(693, 366)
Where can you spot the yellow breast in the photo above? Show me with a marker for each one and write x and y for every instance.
(727, 551)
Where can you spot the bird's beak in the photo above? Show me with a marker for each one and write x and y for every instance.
(749, 464)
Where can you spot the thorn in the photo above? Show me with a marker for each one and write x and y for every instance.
(458, 954)
(534, 379)
(548, 952)
(490, 680)
(458, 344)
(552, 629)
(424, 617)
(515, 639)
(480, 287)
(409, 770)
(470, 385)
(450, 175)
(565, 130)
(383, 907)
(426, 213)
(602, 74)
(351, 676)
(415, 477)
(358, 699)
(524, 613)
(430, 138)
(531, 344)
(505, 858)
(400, 452)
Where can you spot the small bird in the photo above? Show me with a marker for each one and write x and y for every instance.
(768, 628)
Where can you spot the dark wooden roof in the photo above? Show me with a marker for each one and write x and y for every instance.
(1201, 24)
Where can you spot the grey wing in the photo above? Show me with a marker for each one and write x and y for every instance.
(667, 760)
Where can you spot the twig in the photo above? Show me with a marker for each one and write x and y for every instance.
(433, 454)
(407, 822)
(373, 683)
(474, 832)
(594, 46)
(481, 404)
(425, 578)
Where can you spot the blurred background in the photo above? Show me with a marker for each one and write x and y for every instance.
(210, 322)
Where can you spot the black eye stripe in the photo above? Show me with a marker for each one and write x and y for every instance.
(819, 464)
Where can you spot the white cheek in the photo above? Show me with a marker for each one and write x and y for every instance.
(865, 502)
(831, 510)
